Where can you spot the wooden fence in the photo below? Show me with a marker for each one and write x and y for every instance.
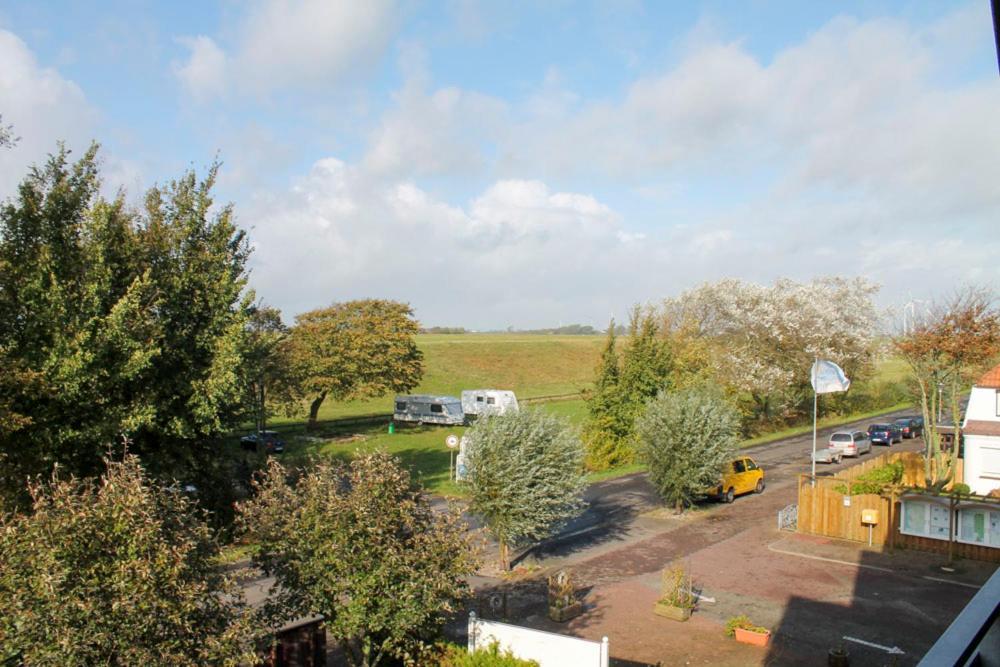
(824, 509)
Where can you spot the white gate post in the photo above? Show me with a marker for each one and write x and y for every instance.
(472, 631)
(605, 657)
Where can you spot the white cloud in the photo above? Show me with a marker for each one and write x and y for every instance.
(204, 73)
(42, 106)
(280, 45)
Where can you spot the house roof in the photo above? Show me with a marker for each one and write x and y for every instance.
(990, 379)
(980, 427)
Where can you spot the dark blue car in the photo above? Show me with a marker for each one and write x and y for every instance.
(884, 434)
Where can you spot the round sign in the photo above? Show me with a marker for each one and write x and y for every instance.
(451, 441)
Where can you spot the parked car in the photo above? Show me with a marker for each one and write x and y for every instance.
(741, 476)
(885, 434)
(851, 443)
(910, 427)
(828, 455)
(270, 441)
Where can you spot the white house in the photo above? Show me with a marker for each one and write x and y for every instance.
(981, 430)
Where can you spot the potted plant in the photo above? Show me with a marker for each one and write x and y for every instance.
(677, 600)
(746, 632)
(563, 604)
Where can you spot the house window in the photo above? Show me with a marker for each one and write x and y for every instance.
(437, 407)
(998, 402)
(924, 519)
(979, 526)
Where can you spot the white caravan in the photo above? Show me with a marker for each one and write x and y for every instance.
(477, 402)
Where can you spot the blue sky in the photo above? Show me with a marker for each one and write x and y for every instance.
(527, 164)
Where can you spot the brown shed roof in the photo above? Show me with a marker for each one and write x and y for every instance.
(990, 379)
(980, 427)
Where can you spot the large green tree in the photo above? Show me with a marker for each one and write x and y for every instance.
(116, 571)
(686, 437)
(361, 545)
(355, 349)
(123, 321)
(624, 383)
(525, 472)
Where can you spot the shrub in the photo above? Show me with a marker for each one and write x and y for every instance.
(961, 489)
(687, 437)
(742, 622)
(491, 656)
(874, 480)
(676, 591)
(361, 545)
(116, 571)
(525, 475)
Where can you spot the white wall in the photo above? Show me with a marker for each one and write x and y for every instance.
(982, 405)
(982, 463)
(549, 649)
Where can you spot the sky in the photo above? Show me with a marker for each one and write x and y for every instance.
(500, 164)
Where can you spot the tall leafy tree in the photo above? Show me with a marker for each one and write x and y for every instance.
(686, 438)
(361, 545)
(946, 348)
(525, 473)
(116, 571)
(265, 366)
(623, 386)
(124, 321)
(355, 349)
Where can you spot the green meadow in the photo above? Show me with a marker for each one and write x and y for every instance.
(532, 366)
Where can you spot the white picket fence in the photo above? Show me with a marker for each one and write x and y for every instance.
(548, 648)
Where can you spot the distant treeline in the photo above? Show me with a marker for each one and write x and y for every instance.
(568, 330)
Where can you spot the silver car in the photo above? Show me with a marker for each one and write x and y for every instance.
(850, 443)
(828, 455)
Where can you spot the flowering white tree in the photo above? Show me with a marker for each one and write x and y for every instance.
(765, 338)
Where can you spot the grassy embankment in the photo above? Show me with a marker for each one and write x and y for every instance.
(531, 365)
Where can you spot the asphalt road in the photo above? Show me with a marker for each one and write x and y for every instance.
(614, 507)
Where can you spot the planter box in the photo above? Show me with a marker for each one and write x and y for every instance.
(563, 614)
(752, 638)
(672, 612)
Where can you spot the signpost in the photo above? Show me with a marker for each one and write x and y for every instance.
(452, 442)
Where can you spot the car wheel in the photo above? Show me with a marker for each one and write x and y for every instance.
(760, 486)
(730, 496)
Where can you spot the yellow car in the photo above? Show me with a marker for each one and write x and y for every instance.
(741, 476)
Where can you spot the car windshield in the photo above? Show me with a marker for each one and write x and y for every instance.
(841, 437)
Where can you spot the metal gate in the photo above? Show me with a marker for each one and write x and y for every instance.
(788, 518)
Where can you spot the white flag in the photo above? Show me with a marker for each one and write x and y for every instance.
(828, 377)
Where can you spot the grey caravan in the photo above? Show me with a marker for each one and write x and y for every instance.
(426, 409)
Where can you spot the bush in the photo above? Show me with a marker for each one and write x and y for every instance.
(676, 591)
(361, 545)
(742, 622)
(116, 571)
(687, 437)
(491, 656)
(874, 480)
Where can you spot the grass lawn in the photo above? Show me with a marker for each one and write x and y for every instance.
(530, 365)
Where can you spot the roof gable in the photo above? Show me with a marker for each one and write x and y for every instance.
(990, 379)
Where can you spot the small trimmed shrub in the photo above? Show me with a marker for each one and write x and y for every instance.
(491, 656)
(677, 587)
(961, 489)
(744, 623)
(874, 480)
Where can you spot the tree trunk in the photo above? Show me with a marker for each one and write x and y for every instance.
(504, 555)
(314, 411)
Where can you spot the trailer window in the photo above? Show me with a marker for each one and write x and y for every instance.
(437, 407)
(490, 400)
(479, 399)
(400, 406)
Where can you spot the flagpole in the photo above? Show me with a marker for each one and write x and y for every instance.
(815, 403)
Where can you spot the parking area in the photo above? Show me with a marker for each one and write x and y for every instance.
(814, 593)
